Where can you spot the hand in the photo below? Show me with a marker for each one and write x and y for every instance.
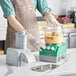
(50, 18)
(33, 40)
(40, 44)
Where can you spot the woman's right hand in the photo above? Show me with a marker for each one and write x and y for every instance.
(38, 42)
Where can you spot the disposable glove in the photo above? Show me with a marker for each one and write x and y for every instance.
(49, 17)
(33, 41)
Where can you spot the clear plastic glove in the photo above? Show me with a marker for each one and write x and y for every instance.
(50, 18)
(36, 43)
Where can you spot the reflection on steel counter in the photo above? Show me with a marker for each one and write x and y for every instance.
(42, 68)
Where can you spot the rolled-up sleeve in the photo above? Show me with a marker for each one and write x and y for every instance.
(42, 6)
(7, 8)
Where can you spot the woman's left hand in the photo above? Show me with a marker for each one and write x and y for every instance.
(49, 17)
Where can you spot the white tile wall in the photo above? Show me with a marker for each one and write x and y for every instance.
(60, 6)
(3, 26)
(57, 6)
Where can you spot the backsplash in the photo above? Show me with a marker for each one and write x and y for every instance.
(60, 6)
(3, 26)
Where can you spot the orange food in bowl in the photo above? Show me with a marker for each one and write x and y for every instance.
(1, 52)
(54, 38)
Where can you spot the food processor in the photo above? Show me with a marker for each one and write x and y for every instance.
(55, 49)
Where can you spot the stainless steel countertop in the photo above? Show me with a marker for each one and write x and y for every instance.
(68, 68)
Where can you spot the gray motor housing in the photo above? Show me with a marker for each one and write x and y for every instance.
(19, 57)
(52, 59)
(21, 40)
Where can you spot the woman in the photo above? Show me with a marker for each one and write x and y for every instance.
(23, 18)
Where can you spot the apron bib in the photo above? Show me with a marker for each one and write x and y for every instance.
(25, 14)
